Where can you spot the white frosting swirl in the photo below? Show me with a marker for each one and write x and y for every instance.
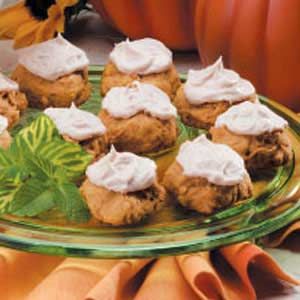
(125, 102)
(250, 119)
(218, 163)
(145, 56)
(122, 172)
(3, 124)
(214, 84)
(78, 124)
(7, 85)
(53, 59)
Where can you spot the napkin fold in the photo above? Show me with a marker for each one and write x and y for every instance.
(121, 283)
(79, 279)
(221, 274)
(227, 274)
(240, 258)
(20, 272)
(224, 273)
(165, 281)
(277, 238)
(201, 276)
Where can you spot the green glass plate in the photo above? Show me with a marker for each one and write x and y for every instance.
(173, 230)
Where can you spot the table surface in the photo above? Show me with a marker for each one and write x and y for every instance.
(97, 39)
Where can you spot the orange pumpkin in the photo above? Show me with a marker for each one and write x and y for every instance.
(259, 39)
(171, 21)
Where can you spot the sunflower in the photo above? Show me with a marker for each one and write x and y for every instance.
(34, 21)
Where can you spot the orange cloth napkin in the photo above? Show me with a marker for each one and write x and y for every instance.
(90, 279)
(20, 272)
(277, 238)
(166, 281)
(226, 274)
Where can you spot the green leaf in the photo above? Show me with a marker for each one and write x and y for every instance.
(35, 173)
(69, 200)
(41, 168)
(69, 156)
(5, 159)
(188, 133)
(38, 133)
(41, 138)
(28, 117)
(93, 105)
(8, 189)
(15, 172)
(10, 166)
(32, 198)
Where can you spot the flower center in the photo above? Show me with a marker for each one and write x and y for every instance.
(39, 8)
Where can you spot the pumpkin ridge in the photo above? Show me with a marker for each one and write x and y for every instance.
(262, 55)
(228, 43)
(142, 8)
(201, 24)
(188, 6)
(104, 13)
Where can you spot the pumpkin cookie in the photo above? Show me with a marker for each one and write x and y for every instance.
(12, 101)
(53, 74)
(82, 127)
(139, 118)
(210, 92)
(5, 138)
(146, 60)
(207, 176)
(256, 133)
(122, 189)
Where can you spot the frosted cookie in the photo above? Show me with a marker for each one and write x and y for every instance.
(139, 118)
(256, 133)
(122, 189)
(5, 138)
(53, 74)
(146, 60)
(12, 101)
(82, 127)
(207, 176)
(209, 92)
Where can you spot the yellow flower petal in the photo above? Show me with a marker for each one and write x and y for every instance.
(12, 18)
(18, 23)
(46, 31)
(25, 35)
(56, 16)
